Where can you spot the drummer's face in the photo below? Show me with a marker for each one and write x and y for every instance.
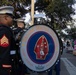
(20, 24)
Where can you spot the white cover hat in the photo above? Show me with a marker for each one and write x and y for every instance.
(6, 9)
(20, 20)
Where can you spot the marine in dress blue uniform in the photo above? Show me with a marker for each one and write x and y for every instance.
(7, 42)
(18, 31)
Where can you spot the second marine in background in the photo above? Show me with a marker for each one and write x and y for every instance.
(18, 30)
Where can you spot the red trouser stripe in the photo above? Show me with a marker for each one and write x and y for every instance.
(6, 66)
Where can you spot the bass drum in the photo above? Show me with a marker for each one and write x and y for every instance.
(40, 48)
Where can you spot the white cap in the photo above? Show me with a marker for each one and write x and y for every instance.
(20, 20)
(6, 9)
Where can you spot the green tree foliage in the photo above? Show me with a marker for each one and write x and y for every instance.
(72, 33)
(63, 8)
(58, 10)
(41, 4)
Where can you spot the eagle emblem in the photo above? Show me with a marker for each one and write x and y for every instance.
(41, 48)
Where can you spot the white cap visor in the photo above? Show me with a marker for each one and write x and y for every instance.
(6, 9)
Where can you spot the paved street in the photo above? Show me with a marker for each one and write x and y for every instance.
(68, 65)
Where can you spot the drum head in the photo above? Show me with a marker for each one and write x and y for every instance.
(39, 48)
